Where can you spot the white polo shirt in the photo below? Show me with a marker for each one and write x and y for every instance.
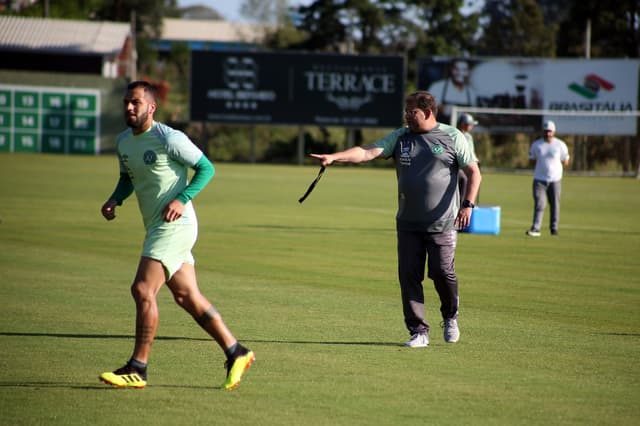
(549, 157)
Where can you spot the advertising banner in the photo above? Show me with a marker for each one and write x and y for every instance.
(297, 88)
(565, 86)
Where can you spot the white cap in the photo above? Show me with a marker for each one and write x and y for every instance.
(549, 125)
(467, 119)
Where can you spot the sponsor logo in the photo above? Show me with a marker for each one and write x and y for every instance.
(149, 157)
(437, 149)
(591, 86)
(240, 75)
(591, 90)
(349, 87)
(405, 153)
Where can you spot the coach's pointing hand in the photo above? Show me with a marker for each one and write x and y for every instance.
(325, 159)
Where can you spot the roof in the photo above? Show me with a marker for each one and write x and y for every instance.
(211, 30)
(62, 35)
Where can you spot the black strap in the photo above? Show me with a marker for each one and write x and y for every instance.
(313, 184)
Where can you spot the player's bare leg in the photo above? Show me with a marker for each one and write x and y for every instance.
(149, 279)
(186, 293)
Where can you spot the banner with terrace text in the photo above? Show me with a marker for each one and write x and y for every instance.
(297, 88)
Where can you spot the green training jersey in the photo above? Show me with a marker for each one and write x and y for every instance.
(158, 162)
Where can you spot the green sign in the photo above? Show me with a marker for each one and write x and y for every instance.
(49, 119)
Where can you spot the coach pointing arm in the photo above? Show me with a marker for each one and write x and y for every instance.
(427, 157)
(357, 154)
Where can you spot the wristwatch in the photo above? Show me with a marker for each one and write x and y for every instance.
(467, 204)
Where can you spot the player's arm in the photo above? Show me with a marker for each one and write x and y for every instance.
(565, 157)
(360, 154)
(124, 188)
(472, 171)
(532, 156)
(357, 154)
(204, 171)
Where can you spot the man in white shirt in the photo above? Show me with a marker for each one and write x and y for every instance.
(549, 155)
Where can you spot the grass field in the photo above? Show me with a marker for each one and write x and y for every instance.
(550, 326)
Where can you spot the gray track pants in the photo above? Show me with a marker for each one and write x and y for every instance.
(413, 249)
(543, 191)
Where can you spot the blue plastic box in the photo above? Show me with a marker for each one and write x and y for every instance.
(485, 220)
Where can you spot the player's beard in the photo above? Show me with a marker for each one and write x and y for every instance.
(137, 121)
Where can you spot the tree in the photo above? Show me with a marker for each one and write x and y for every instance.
(148, 13)
(148, 18)
(80, 9)
(321, 23)
(266, 11)
(615, 29)
(516, 28)
(442, 29)
(412, 28)
(433, 27)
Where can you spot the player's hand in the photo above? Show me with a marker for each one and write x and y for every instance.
(109, 209)
(325, 159)
(464, 218)
(173, 211)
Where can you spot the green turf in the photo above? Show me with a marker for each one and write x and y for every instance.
(550, 326)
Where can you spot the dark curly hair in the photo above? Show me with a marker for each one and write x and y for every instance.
(424, 101)
(149, 88)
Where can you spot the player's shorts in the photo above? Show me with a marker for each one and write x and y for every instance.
(171, 244)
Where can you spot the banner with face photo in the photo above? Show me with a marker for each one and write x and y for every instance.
(562, 85)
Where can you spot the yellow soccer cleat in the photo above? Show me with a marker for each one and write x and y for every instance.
(125, 377)
(237, 367)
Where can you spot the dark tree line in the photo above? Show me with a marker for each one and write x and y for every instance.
(528, 28)
(414, 28)
(542, 28)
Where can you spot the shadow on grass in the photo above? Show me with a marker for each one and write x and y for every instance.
(97, 386)
(620, 334)
(205, 339)
(94, 336)
(321, 342)
(321, 229)
(55, 385)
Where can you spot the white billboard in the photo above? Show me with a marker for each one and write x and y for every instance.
(592, 85)
(563, 85)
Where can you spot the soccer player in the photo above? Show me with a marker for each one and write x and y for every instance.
(427, 155)
(154, 162)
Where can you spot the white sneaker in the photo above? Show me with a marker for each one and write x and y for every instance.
(418, 340)
(533, 233)
(451, 330)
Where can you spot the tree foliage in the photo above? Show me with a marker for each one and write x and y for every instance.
(615, 29)
(261, 11)
(517, 28)
(442, 29)
(435, 27)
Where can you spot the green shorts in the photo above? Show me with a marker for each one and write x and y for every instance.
(171, 244)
